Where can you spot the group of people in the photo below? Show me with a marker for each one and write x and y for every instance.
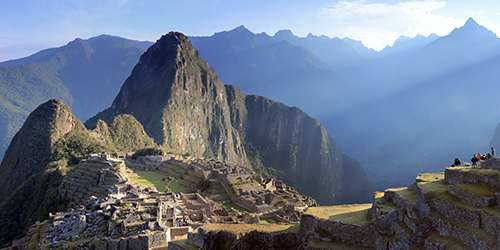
(481, 157)
(476, 158)
(182, 222)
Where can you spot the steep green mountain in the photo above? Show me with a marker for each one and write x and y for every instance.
(184, 106)
(43, 151)
(32, 145)
(83, 73)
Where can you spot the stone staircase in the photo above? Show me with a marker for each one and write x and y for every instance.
(92, 178)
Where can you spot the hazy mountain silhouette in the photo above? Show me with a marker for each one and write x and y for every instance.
(263, 65)
(83, 73)
(440, 106)
(398, 110)
(403, 106)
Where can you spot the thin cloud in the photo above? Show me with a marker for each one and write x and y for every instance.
(379, 24)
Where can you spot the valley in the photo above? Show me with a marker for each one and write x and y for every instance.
(249, 130)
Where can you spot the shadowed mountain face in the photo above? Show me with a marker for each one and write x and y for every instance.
(83, 73)
(184, 106)
(32, 145)
(38, 158)
(407, 109)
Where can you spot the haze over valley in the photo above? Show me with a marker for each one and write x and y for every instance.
(240, 116)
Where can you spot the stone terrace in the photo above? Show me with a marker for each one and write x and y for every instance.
(93, 177)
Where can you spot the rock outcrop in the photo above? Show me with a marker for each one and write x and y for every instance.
(184, 106)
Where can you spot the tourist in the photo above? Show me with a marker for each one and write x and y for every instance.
(493, 152)
(456, 162)
(474, 161)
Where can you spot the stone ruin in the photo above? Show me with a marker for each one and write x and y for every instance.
(455, 210)
(93, 177)
(252, 191)
(106, 211)
(140, 218)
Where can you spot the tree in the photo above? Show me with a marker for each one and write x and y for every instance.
(168, 180)
(281, 203)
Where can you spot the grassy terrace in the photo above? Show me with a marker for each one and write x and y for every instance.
(240, 228)
(450, 242)
(480, 190)
(481, 171)
(387, 206)
(439, 188)
(354, 214)
(477, 231)
(176, 186)
(166, 164)
(154, 179)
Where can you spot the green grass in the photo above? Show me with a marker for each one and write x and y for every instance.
(450, 242)
(481, 171)
(481, 190)
(409, 195)
(270, 221)
(177, 187)
(154, 179)
(354, 214)
(150, 179)
(429, 177)
(477, 231)
(239, 228)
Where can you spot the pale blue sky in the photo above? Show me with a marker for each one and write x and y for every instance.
(27, 26)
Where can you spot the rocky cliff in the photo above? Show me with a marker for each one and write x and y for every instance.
(184, 106)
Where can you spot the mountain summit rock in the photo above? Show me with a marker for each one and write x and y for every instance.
(183, 105)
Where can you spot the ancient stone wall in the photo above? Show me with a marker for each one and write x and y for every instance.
(337, 230)
(250, 204)
(471, 198)
(470, 239)
(454, 177)
(493, 163)
(456, 213)
(250, 240)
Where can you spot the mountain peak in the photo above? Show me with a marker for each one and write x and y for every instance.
(473, 31)
(471, 22)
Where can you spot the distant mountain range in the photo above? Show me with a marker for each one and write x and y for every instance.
(411, 107)
(83, 73)
(175, 100)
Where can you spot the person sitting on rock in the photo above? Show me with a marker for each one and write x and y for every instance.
(474, 161)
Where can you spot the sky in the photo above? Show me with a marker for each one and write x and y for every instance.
(28, 26)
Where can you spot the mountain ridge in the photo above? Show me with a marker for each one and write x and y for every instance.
(201, 115)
